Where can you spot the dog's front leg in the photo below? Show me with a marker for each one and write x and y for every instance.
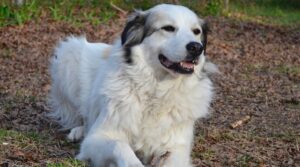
(179, 157)
(104, 151)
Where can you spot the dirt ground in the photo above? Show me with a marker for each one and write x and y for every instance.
(260, 79)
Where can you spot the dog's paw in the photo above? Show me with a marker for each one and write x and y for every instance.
(129, 163)
(76, 133)
(134, 165)
(137, 165)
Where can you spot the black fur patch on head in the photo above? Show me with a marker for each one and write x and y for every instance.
(205, 30)
(127, 55)
(133, 32)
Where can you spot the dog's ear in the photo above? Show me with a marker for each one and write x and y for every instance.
(134, 31)
(205, 29)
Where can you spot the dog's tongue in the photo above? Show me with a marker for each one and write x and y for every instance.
(187, 64)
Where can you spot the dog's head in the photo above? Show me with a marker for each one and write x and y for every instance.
(173, 38)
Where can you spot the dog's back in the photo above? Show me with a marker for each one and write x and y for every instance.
(73, 67)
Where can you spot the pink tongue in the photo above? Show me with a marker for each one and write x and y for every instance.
(186, 64)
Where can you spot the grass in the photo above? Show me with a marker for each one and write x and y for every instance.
(77, 11)
(13, 141)
(278, 12)
(67, 163)
(10, 15)
(11, 103)
(5, 53)
(7, 135)
(244, 160)
(74, 12)
(27, 145)
(248, 146)
(288, 69)
(22, 144)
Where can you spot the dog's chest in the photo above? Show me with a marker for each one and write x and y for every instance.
(165, 116)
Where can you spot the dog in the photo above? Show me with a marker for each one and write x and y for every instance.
(140, 97)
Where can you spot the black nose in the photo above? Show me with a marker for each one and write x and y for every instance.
(194, 48)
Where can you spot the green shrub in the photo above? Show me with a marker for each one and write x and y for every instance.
(214, 7)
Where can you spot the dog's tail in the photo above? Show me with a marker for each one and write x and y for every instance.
(64, 96)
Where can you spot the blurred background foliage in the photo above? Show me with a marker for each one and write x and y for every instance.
(18, 12)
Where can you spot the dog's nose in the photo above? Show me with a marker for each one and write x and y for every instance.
(194, 48)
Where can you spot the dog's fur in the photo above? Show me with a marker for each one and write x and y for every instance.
(129, 107)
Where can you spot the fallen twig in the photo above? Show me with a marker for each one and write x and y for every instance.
(240, 122)
(118, 8)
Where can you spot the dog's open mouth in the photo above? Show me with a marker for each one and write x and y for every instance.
(182, 67)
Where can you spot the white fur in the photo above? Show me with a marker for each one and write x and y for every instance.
(128, 108)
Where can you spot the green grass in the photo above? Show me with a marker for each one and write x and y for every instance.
(75, 12)
(93, 11)
(67, 163)
(278, 12)
(288, 69)
(96, 12)
(31, 143)
(7, 135)
(244, 160)
(23, 141)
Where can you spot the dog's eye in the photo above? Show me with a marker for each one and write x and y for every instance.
(196, 31)
(168, 28)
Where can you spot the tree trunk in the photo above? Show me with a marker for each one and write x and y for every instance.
(226, 5)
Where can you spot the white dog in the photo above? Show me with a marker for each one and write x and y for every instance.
(140, 97)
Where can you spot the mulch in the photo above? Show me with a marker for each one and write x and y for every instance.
(260, 78)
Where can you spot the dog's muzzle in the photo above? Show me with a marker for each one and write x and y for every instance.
(194, 51)
(186, 66)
